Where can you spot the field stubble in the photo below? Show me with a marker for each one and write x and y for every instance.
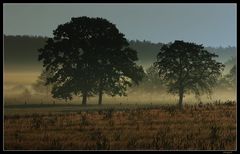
(198, 127)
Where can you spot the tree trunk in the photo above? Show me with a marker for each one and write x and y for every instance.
(181, 98)
(84, 99)
(100, 92)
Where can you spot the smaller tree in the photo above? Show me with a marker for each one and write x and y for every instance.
(41, 86)
(26, 95)
(187, 67)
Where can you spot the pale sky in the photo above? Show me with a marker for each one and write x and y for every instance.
(207, 24)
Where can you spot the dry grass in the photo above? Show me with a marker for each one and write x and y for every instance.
(198, 127)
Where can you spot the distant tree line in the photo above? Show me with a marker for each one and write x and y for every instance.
(24, 47)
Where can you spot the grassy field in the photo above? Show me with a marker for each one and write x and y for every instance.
(120, 127)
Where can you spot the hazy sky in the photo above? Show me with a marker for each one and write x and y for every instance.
(207, 24)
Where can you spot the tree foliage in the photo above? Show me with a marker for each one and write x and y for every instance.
(187, 67)
(88, 56)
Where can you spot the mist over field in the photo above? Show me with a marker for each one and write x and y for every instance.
(21, 70)
(21, 93)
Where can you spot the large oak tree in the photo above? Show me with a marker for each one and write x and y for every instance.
(88, 56)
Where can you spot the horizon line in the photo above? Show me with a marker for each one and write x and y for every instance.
(211, 46)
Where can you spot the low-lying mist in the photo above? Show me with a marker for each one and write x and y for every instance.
(18, 90)
(24, 94)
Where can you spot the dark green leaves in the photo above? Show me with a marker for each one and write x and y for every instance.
(89, 55)
(188, 66)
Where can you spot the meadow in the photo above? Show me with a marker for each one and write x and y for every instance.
(209, 126)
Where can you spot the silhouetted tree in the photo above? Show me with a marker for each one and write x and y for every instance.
(88, 56)
(41, 86)
(187, 67)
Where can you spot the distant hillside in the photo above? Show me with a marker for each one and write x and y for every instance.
(20, 52)
(148, 51)
(225, 54)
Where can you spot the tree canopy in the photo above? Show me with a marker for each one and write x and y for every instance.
(187, 67)
(88, 56)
